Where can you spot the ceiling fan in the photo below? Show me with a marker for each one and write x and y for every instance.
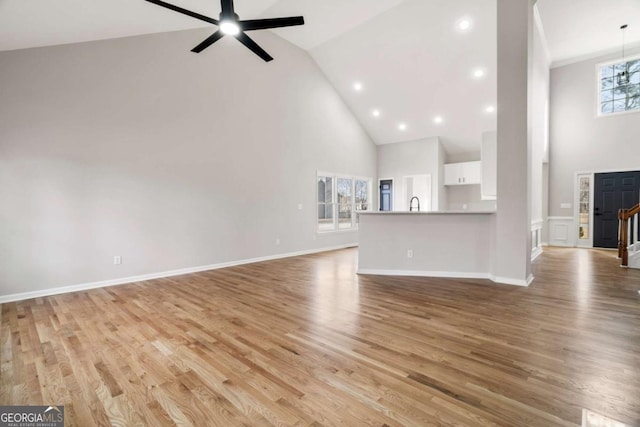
(230, 24)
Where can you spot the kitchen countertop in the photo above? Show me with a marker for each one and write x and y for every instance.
(464, 212)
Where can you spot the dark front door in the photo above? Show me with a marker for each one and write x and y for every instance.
(386, 194)
(612, 191)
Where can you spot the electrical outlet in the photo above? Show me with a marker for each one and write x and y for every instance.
(117, 260)
(410, 253)
(299, 206)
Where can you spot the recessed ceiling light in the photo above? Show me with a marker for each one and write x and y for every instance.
(375, 113)
(358, 86)
(229, 28)
(438, 120)
(478, 73)
(402, 126)
(464, 24)
(490, 109)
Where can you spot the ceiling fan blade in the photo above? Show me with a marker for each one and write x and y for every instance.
(227, 8)
(208, 41)
(263, 24)
(248, 42)
(184, 11)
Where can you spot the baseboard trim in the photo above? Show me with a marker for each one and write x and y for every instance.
(421, 273)
(510, 281)
(160, 275)
(447, 275)
(536, 253)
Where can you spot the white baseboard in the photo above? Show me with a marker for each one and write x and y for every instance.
(160, 275)
(420, 273)
(535, 253)
(448, 275)
(510, 281)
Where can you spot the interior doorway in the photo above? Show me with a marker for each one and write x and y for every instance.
(386, 195)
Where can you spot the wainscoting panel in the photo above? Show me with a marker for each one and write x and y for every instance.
(562, 231)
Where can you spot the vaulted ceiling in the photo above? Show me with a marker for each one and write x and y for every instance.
(416, 68)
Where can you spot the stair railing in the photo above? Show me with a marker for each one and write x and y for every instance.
(627, 232)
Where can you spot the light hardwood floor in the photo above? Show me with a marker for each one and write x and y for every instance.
(305, 341)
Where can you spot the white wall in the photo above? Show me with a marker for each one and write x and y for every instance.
(413, 158)
(139, 148)
(581, 141)
(467, 197)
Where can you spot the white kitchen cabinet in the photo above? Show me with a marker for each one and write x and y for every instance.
(489, 151)
(465, 173)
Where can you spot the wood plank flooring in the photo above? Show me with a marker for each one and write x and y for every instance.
(305, 341)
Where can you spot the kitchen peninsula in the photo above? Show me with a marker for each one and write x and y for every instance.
(433, 244)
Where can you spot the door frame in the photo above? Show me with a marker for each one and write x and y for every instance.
(393, 189)
(588, 243)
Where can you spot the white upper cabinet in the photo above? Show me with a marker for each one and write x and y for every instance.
(464, 173)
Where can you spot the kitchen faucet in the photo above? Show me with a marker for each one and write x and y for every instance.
(411, 204)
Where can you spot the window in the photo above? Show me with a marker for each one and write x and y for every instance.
(325, 203)
(617, 94)
(584, 216)
(339, 199)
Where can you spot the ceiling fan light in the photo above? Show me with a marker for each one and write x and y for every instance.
(229, 27)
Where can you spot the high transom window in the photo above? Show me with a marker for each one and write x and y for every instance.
(619, 87)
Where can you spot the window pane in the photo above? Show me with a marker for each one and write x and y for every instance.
(634, 78)
(619, 80)
(584, 231)
(362, 195)
(345, 202)
(584, 184)
(619, 106)
(618, 68)
(606, 95)
(620, 92)
(344, 191)
(325, 216)
(633, 90)
(344, 216)
(325, 189)
(633, 103)
(606, 71)
(633, 66)
(606, 83)
(606, 107)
